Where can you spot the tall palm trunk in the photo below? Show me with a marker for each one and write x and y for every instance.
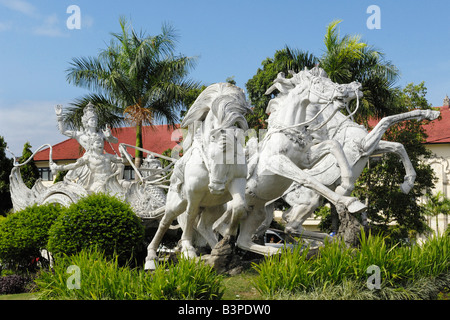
(139, 144)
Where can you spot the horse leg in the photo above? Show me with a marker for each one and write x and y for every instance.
(318, 151)
(283, 166)
(370, 142)
(174, 207)
(193, 209)
(302, 207)
(399, 149)
(238, 211)
(206, 221)
(247, 228)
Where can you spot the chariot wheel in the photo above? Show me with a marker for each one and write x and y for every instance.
(60, 198)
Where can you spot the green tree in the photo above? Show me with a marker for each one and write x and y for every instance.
(379, 183)
(136, 79)
(6, 166)
(284, 60)
(345, 59)
(436, 204)
(29, 172)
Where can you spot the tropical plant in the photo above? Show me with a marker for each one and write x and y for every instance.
(6, 165)
(345, 59)
(103, 278)
(25, 233)
(98, 220)
(337, 266)
(436, 204)
(137, 79)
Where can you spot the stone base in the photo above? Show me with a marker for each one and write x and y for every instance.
(225, 258)
(349, 228)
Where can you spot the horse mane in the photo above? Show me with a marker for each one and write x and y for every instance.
(284, 85)
(228, 104)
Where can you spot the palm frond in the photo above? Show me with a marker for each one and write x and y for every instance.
(108, 112)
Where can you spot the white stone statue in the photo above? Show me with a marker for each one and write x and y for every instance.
(88, 131)
(213, 170)
(95, 171)
(99, 166)
(85, 135)
(288, 149)
(358, 145)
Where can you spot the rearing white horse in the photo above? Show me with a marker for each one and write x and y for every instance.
(358, 145)
(288, 149)
(213, 168)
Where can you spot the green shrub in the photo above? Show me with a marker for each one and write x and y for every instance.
(102, 278)
(335, 264)
(97, 220)
(13, 284)
(25, 233)
(187, 279)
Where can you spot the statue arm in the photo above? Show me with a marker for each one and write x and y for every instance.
(108, 135)
(55, 168)
(61, 126)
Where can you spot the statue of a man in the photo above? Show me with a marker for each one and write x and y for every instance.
(92, 140)
(100, 166)
(88, 131)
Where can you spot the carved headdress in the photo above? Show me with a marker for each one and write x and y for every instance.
(88, 113)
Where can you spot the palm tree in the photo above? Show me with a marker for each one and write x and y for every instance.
(349, 59)
(435, 205)
(137, 79)
(345, 59)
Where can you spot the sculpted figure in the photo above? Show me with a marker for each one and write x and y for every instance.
(89, 129)
(100, 165)
(86, 136)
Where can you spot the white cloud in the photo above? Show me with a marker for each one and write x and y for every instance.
(32, 121)
(5, 26)
(50, 27)
(86, 21)
(20, 6)
(43, 24)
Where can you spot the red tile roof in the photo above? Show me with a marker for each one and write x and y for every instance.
(439, 130)
(157, 139)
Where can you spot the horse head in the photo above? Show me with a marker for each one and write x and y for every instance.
(317, 88)
(221, 108)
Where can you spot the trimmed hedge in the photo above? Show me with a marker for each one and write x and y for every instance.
(13, 284)
(101, 221)
(25, 233)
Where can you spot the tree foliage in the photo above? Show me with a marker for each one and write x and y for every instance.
(345, 59)
(6, 166)
(379, 183)
(137, 79)
(29, 172)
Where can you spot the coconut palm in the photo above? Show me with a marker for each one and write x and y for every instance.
(349, 59)
(345, 59)
(137, 79)
(437, 204)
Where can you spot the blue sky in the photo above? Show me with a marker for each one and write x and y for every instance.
(230, 38)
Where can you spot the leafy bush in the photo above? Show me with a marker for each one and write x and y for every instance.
(25, 233)
(13, 284)
(97, 220)
(335, 264)
(186, 279)
(102, 278)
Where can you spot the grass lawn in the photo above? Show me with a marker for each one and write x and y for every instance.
(239, 287)
(19, 296)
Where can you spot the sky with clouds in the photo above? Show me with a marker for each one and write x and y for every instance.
(230, 38)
